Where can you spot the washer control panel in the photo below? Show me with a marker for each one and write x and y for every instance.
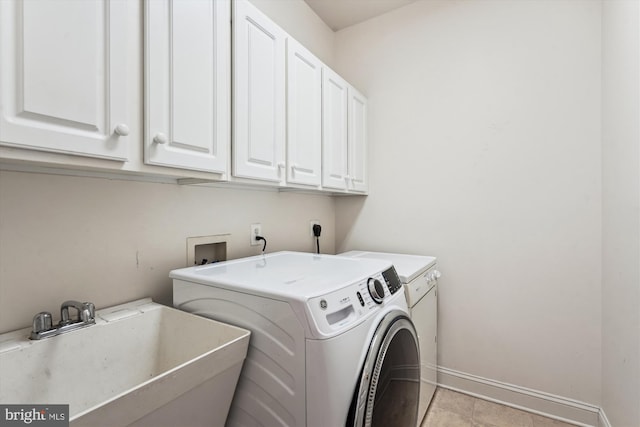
(376, 290)
(340, 309)
(393, 281)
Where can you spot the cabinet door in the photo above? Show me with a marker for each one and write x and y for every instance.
(63, 80)
(304, 115)
(334, 130)
(258, 95)
(357, 142)
(187, 84)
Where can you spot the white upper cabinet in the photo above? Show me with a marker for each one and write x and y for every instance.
(258, 95)
(335, 166)
(357, 112)
(227, 94)
(344, 135)
(63, 79)
(304, 116)
(187, 83)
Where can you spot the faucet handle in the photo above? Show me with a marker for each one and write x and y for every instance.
(85, 312)
(88, 312)
(42, 322)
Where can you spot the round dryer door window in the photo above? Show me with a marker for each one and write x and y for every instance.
(389, 387)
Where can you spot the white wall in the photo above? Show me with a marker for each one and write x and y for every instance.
(110, 241)
(485, 152)
(621, 213)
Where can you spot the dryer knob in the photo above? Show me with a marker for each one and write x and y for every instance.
(376, 290)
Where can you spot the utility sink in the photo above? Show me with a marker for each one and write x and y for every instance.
(141, 364)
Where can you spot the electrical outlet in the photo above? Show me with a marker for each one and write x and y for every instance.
(311, 224)
(256, 230)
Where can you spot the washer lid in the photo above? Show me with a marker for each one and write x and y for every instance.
(408, 266)
(285, 275)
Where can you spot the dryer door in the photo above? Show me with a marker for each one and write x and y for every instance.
(389, 387)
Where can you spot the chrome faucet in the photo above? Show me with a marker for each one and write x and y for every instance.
(43, 327)
(86, 312)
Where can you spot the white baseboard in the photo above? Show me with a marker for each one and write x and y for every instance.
(603, 421)
(546, 404)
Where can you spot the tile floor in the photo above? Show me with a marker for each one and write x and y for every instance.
(451, 409)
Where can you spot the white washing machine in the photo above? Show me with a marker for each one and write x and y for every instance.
(419, 277)
(331, 341)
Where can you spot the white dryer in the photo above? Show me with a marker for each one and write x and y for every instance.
(331, 341)
(419, 277)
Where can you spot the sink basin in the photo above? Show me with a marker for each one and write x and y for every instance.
(141, 364)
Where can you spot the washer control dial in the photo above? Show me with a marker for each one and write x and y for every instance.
(376, 290)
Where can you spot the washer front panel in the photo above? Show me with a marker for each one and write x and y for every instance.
(334, 365)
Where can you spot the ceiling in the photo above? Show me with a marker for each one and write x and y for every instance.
(339, 14)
